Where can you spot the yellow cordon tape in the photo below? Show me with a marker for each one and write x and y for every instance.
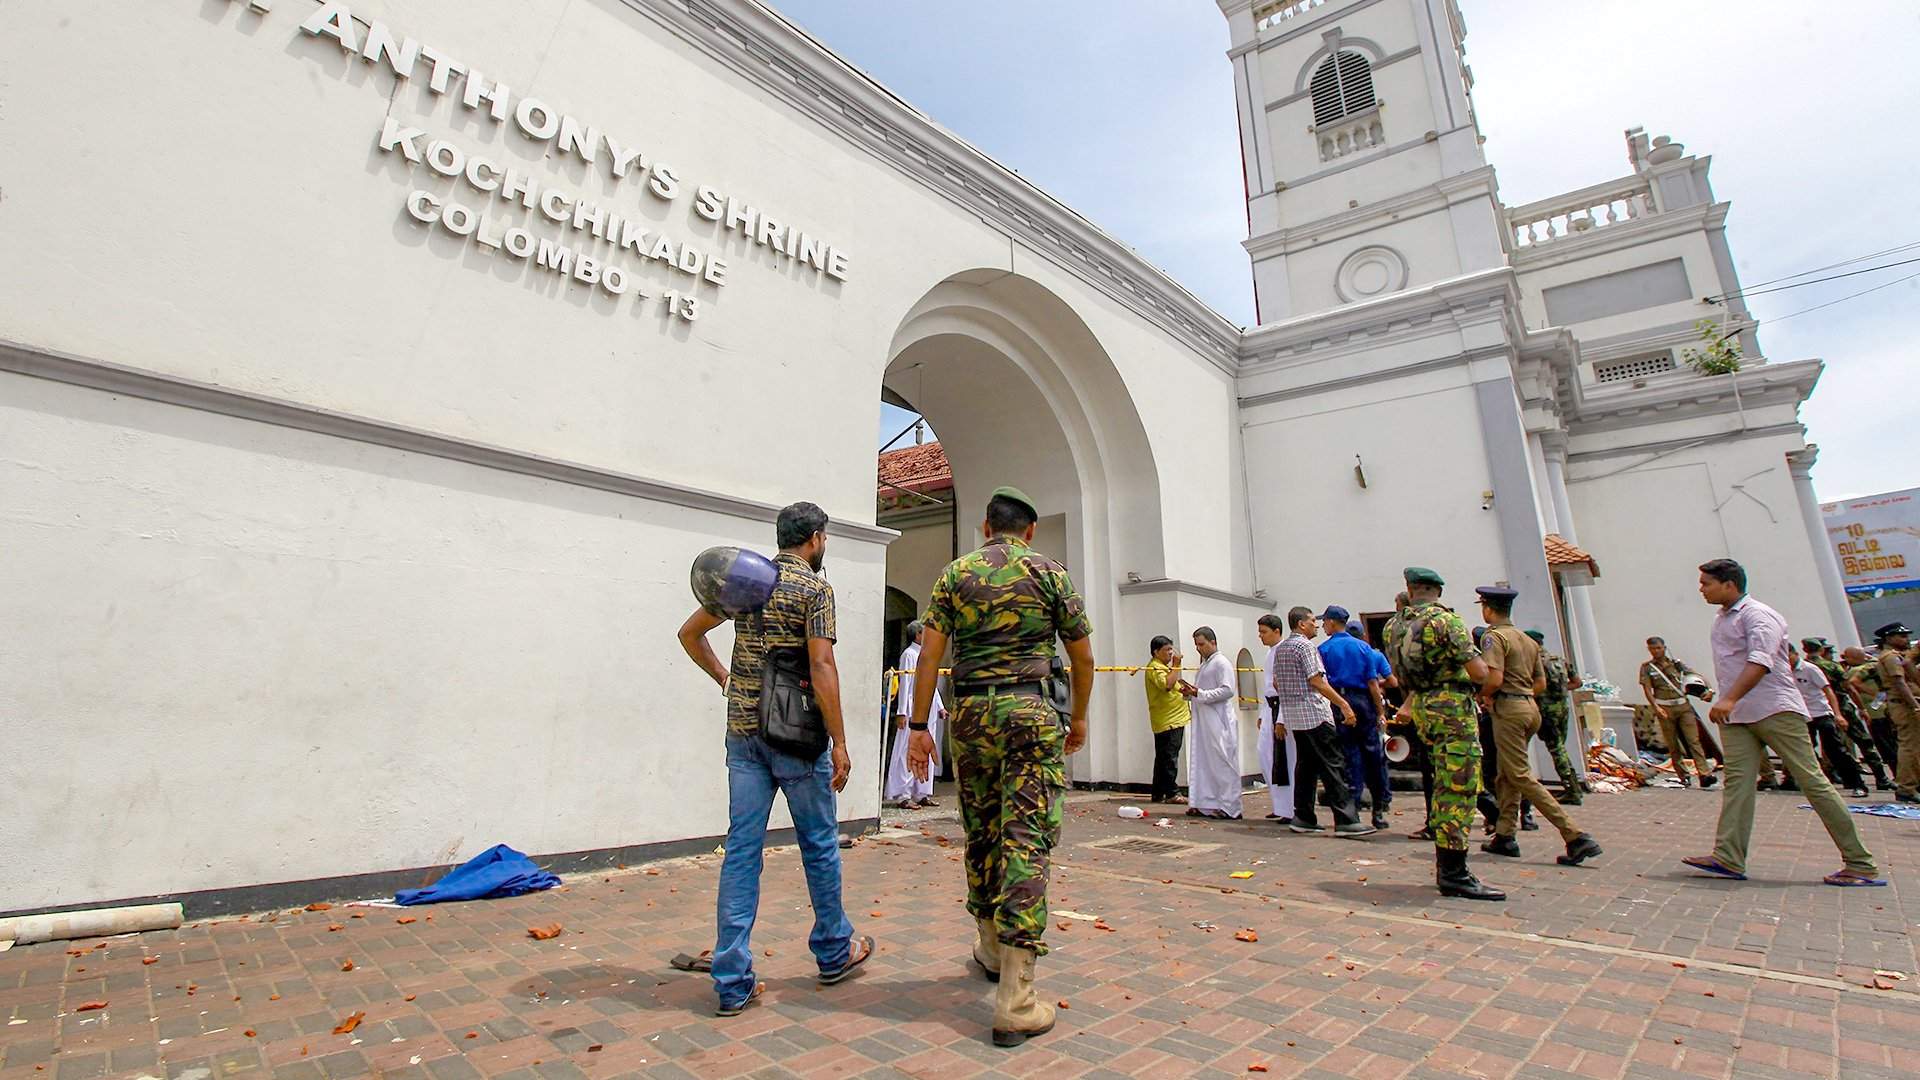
(893, 675)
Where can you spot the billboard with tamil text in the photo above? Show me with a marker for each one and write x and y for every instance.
(1876, 540)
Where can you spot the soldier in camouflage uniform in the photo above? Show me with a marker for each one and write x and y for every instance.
(1434, 651)
(1819, 653)
(1555, 708)
(1416, 744)
(1001, 608)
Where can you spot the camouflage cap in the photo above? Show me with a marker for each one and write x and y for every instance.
(1015, 494)
(1420, 575)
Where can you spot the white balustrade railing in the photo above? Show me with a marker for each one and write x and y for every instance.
(1274, 14)
(1578, 213)
(1351, 135)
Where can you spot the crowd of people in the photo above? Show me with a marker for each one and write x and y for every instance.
(1326, 711)
(1469, 702)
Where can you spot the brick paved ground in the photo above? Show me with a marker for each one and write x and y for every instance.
(1626, 968)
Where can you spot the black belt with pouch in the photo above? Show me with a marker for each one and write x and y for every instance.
(790, 717)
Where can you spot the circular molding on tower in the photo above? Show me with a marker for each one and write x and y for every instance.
(1372, 271)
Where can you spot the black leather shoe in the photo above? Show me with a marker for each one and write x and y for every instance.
(1451, 875)
(1502, 845)
(1579, 850)
(1708, 780)
(1527, 824)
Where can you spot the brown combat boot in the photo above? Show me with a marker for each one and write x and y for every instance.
(1018, 1012)
(986, 951)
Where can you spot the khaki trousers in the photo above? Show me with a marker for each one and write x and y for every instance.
(1786, 735)
(1515, 722)
(1906, 728)
(1681, 729)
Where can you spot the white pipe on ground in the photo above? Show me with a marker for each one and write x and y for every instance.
(99, 922)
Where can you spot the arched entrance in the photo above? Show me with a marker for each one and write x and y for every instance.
(1019, 391)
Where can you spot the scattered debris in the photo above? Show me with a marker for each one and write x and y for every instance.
(1064, 1004)
(1241, 875)
(473, 1034)
(149, 960)
(90, 1006)
(1205, 926)
(249, 1033)
(1245, 935)
(544, 933)
(346, 965)
(345, 1027)
(1260, 1066)
(405, 919)
(319, 907)
(334, 927)
(594, 1049)
(1101, 924)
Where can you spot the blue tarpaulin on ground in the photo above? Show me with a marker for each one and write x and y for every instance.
(498, 871)
(1880, 809)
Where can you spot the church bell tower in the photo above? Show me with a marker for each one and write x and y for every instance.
(1362, 157)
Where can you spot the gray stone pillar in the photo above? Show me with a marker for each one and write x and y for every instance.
(1586, 629)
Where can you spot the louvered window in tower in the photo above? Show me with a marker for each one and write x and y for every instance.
(1341, 86)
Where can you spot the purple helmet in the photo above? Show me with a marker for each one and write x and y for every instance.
(732, 581)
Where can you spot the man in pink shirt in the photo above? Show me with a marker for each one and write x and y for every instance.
(1760, 708)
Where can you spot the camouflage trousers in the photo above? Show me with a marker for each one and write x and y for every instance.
(1553, 732)
(1445, 720)
(1009, 754)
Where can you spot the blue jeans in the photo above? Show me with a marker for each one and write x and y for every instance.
(754, 771)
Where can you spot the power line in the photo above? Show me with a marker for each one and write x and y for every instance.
(1844, 299)
(1844, 262)
(1801, 285)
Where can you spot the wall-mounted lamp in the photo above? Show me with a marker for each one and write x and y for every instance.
(1359, 471)
(1133, 577)
(1486, 500)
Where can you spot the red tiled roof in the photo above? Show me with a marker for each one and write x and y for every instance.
(1561, 553)
(915, 468)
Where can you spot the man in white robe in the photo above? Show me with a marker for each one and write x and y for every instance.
(1275, 735)
(1213, 772)
(904, 790)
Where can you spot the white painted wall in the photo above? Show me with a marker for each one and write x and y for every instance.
(459, 651)
(263, 655)
(1651, 527)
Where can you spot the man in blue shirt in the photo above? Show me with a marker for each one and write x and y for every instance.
(1355, 669)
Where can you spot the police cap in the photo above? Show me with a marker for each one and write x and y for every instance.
(1892, 629)
(1497, 593)
(1420, 575)
(1016, 495)
(1538, 637)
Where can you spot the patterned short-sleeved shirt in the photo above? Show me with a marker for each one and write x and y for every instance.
(801, 607)
(1295, 663)
(1002, 606)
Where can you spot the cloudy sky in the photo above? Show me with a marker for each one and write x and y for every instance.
(1124, 109)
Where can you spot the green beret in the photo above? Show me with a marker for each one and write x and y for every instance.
(1015, 494)
(1537, 636)
(1420, 575)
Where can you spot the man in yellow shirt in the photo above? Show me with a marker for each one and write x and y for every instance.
(1167, 709)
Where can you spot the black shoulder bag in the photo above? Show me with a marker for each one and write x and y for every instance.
(790, 717)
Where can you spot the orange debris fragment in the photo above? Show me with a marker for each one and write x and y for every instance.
(544, 933)
(346, 1026)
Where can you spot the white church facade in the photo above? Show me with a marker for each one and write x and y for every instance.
(378, 372)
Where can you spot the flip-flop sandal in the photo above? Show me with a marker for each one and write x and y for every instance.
(854, 960)
(703, 962)
(1847, 879)
(752, 997)
(1711, 865)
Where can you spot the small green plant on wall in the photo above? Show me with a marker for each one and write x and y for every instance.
(1719, 354)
